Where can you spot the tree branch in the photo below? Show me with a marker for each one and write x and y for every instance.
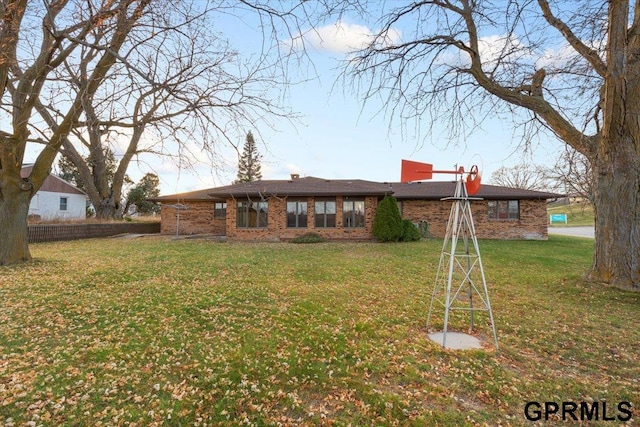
(591, 55)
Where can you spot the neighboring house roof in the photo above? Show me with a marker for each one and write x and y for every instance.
(436, 190)
(319, 187)
(53, 183)
(308, 186)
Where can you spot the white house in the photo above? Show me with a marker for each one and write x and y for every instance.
(57, 199)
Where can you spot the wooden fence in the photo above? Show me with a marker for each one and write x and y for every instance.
(39, 233)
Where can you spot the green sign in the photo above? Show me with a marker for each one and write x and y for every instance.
(558, 218)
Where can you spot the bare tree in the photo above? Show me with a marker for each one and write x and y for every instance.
(24, 73)
(569, 68)
(572, 174)
(184, 87)
(526, 177)
(78, 77)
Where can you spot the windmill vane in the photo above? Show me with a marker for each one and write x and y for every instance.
(418, 171)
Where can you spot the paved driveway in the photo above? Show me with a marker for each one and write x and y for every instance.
(573, 231)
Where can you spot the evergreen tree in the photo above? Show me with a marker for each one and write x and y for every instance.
(387, 224)
(149, 186)
(249, 168)
(68, 171)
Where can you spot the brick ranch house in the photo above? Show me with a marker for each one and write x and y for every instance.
(344, 209)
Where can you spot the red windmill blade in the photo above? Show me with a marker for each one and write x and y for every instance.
(417, 171)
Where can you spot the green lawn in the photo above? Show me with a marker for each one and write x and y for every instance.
(155, 331)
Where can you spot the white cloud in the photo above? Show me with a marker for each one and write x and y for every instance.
(341, 37)
(556, 58)
(492, 48)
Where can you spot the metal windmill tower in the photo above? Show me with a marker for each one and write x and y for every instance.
(460, 283)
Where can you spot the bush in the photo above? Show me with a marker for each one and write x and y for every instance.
(387, 224)
(410, 232)
(308, 238)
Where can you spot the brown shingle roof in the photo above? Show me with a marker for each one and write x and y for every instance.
(319, 187)
(436, 190)
(192, 196)
(308, 186)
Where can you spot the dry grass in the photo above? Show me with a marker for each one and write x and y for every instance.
(158, 332)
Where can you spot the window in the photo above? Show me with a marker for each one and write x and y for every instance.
(252, 214)
(64, 203)
(353, 213)
(504, 209)
(220, 210)
(325, 213)
(297, 214)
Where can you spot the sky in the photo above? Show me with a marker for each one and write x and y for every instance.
(337, 136)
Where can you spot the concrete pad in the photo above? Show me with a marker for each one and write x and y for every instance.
(456, 340)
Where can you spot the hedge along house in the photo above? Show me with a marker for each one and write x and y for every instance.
(344, 209)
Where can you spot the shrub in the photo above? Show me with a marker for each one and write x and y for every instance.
(410, 232)
(308, 238)
(387, 224)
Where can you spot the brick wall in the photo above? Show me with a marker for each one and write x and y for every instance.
(197, 218)
(277, 223)
(531, 225)
(55, 232)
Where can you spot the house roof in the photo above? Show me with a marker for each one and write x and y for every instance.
(53, 183)
(319, 187)
(307, 186)
(191, 196)
(436, 190)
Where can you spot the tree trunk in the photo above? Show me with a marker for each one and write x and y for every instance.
(14, 233)
(617, 212)
(107, 209)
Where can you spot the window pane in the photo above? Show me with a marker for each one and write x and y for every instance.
(359, 214)
(292, 212)
(220, 210)
(331, 220)
(347, 214)
(514, 211)
(241, 215)
(63, 203)
(302, 214)
(319, 214)
(493, 209)
(325, 213)
(502, 210)
(252, 215)
(353, 213)
(262, 209)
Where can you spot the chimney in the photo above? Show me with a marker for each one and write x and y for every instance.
(295, 176)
